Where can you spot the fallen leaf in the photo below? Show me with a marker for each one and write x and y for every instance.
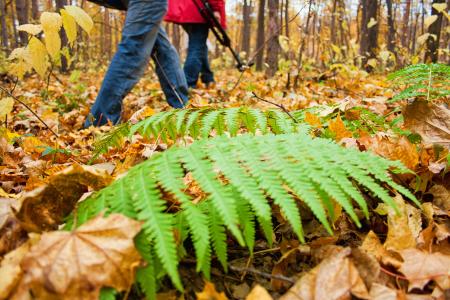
(313, 120)
(431, 121)
(12, 234)
(210, 293)
(403, 228)
(77, 264)
(10, 270)
(367, 265)
(381, 292)
(441, 196)
(45, 207)
(6, 107)
(338, 128)
(372, 245)
(334, 278)
(258, 293)
(421, 267)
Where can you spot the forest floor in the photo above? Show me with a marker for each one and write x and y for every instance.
(392, 256)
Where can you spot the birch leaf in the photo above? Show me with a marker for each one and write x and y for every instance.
(6, 107)
(30, 28)
(81, 17)
(440, 7)
(38, 56)
(70, 26)
(51, 23)
(430, 20)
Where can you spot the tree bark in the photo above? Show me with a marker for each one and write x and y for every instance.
(369, 35)
(246, 26)
(273, 44)
(431, 53)
(64, 42)
(405, 24)
(260, 36)
(22, 17)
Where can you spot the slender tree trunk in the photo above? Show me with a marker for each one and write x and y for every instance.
(369, 32)
(431, 53)
(405, 24)
(14, 22)
(414, 33)
(391, 28)
(64, 42)
(4, 36)
(260, 36)
(35, 9)
(302, 47)
(286, 18)
(333, 24)
(273, 44)
(22, 7)
(246, 26)
(176, 37)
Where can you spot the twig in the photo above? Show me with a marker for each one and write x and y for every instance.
(29, 108)
(262, 274)
(281, 106)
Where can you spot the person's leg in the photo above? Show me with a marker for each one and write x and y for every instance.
(197, 49)
(168, 69)
(128, 64)
(207, 75)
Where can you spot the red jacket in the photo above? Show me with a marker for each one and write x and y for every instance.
(185, 11)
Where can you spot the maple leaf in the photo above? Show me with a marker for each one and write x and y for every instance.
(210, 293)
(421, 267)
(338, 128)
(45, 207)
(77, 264)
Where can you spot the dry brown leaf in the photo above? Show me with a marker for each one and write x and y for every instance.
(395, 149)
(421, 267)
(403, 228)
(338, 128)
(45, 207)
(10, 270)
(258, 293)
(441, 196)
(372, 245)
(313, 120)
(381, 292)
(367, 265)
(12, 234)
(77, 264)
(431, 121)
(334, 278)
(210, 293)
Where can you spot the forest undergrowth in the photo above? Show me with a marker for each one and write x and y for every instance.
(233, 210)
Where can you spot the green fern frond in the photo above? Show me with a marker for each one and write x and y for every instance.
(113, 138)
(240, 178)
(429, 81)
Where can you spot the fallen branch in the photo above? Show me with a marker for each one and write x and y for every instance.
(281, 106)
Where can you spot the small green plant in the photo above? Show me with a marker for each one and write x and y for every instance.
(240, 177)
(425, 81)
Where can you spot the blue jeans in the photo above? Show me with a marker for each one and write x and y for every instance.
(142, 37)
(197, 55)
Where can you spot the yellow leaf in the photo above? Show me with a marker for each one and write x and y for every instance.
(70, 26)
(423, 38)
(313, 120)
(23, 64)
(336, 49)
(6, 107)
(38, 56)
(430, 20)
(210, 292)
(30, 28)
(384, 55)
(51, 23)
(372, 22)
(31, 144)
(440, 7)
(372, 62)
(81, 17)
(338, 128)
(284, 42)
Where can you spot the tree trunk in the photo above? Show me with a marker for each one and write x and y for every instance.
(405, 24)
(302, 47)
(369, 35)
(391, 28)
(431, 53)
(4, 36)
(246, 26)
(286, 18)
(64, 42)
(176, 37)
(273, 44)
(260, 36)
(35, 9)
(333, 24)
(22, 17)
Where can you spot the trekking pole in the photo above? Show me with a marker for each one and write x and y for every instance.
(208, 14)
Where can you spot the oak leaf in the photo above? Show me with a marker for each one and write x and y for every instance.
(421, 267)
(77, 264)
(45, 208)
